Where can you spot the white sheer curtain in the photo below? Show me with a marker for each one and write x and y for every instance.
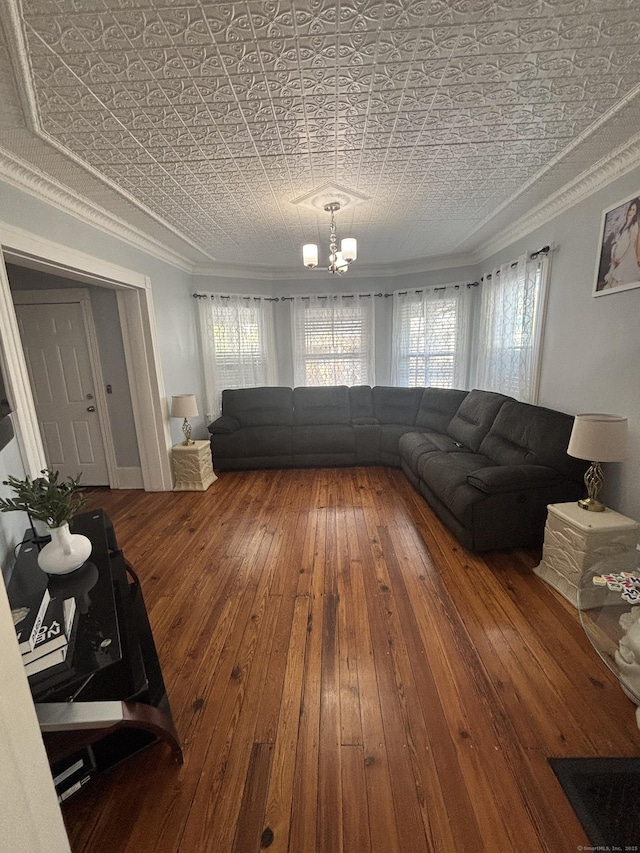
(238, 344)
(510, 328)
(333, 339)
(431, 337)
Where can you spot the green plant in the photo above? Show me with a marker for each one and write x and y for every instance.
(46, 498)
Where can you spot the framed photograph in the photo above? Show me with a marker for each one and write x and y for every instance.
(619, 256)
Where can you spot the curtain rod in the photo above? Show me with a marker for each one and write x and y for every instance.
(230, 295)
(443, 287)
(334, 296)
(543, 251)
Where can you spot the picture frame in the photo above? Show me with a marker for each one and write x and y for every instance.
(618, 266)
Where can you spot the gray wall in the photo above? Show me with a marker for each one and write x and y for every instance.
(591, 347)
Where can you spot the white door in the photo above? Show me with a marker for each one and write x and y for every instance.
(57, 355)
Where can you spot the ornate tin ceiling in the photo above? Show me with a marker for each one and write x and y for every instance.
(455, 117)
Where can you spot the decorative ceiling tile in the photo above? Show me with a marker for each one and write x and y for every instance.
(214, 115)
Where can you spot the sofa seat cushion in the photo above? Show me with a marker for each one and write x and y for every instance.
(321, 405)
(412, 445)
(447, 476)
(475, 416)
(264, 406)
(513, 478)
(390, 435)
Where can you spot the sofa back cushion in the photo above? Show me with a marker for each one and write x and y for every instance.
(321, 405)
(474, 417)
(525, 434)
(396, 405)
(259, 406)
(437, 407)
(361, 404)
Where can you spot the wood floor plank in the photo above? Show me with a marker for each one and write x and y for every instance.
(344, 676)
(249, 835)
(280, 793)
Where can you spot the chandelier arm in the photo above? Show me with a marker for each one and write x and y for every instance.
(338, 265)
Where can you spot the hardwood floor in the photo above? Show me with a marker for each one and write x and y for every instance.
(345, 677)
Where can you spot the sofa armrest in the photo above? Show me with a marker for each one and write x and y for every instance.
(512, 478)
(224, 425)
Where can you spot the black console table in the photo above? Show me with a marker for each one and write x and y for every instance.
(109, 700)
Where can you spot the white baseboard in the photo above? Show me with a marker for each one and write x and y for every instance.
(128, 478)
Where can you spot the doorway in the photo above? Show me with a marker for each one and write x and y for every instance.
(63, 362)
(135, 307)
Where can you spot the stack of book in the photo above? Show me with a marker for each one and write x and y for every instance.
(45, 635)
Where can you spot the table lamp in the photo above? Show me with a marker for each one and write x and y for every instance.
(185, 406)
(602, 437)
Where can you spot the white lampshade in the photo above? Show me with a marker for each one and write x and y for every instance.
(310, 255)
(598, 438)
(184, 406)
(349, 247)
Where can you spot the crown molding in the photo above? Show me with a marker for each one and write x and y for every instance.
(31, 180)
(586, 136)
(608, 169)
(357, 271)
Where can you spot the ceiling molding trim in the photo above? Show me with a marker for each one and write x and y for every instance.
(563, 155)
(614, 166)
(27, 178)
(363, 271)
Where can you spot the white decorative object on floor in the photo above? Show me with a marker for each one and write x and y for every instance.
(193, 467)
(574, 540)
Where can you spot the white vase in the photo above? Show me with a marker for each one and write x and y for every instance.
(66, 552)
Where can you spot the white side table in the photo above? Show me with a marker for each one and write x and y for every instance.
(575, 539)
(192, 467)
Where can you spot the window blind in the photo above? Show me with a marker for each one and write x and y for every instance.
(333, 340)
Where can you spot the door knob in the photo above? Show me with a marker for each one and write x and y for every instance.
(91, 408)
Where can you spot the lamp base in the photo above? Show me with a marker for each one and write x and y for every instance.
(188, 442)
(592, 505)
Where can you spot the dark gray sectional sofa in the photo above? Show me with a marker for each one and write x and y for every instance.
(487, 464)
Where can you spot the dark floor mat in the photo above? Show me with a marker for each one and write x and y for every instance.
(605, 795)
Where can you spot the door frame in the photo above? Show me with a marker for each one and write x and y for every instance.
(137, 317)
(81, 295)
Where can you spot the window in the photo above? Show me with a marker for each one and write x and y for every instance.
(430, 334)
(237, 344)
(333, 340)
(510, 328)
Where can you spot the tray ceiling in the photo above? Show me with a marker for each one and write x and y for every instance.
(199, 123)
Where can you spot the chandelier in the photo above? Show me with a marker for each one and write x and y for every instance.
(338, 260)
